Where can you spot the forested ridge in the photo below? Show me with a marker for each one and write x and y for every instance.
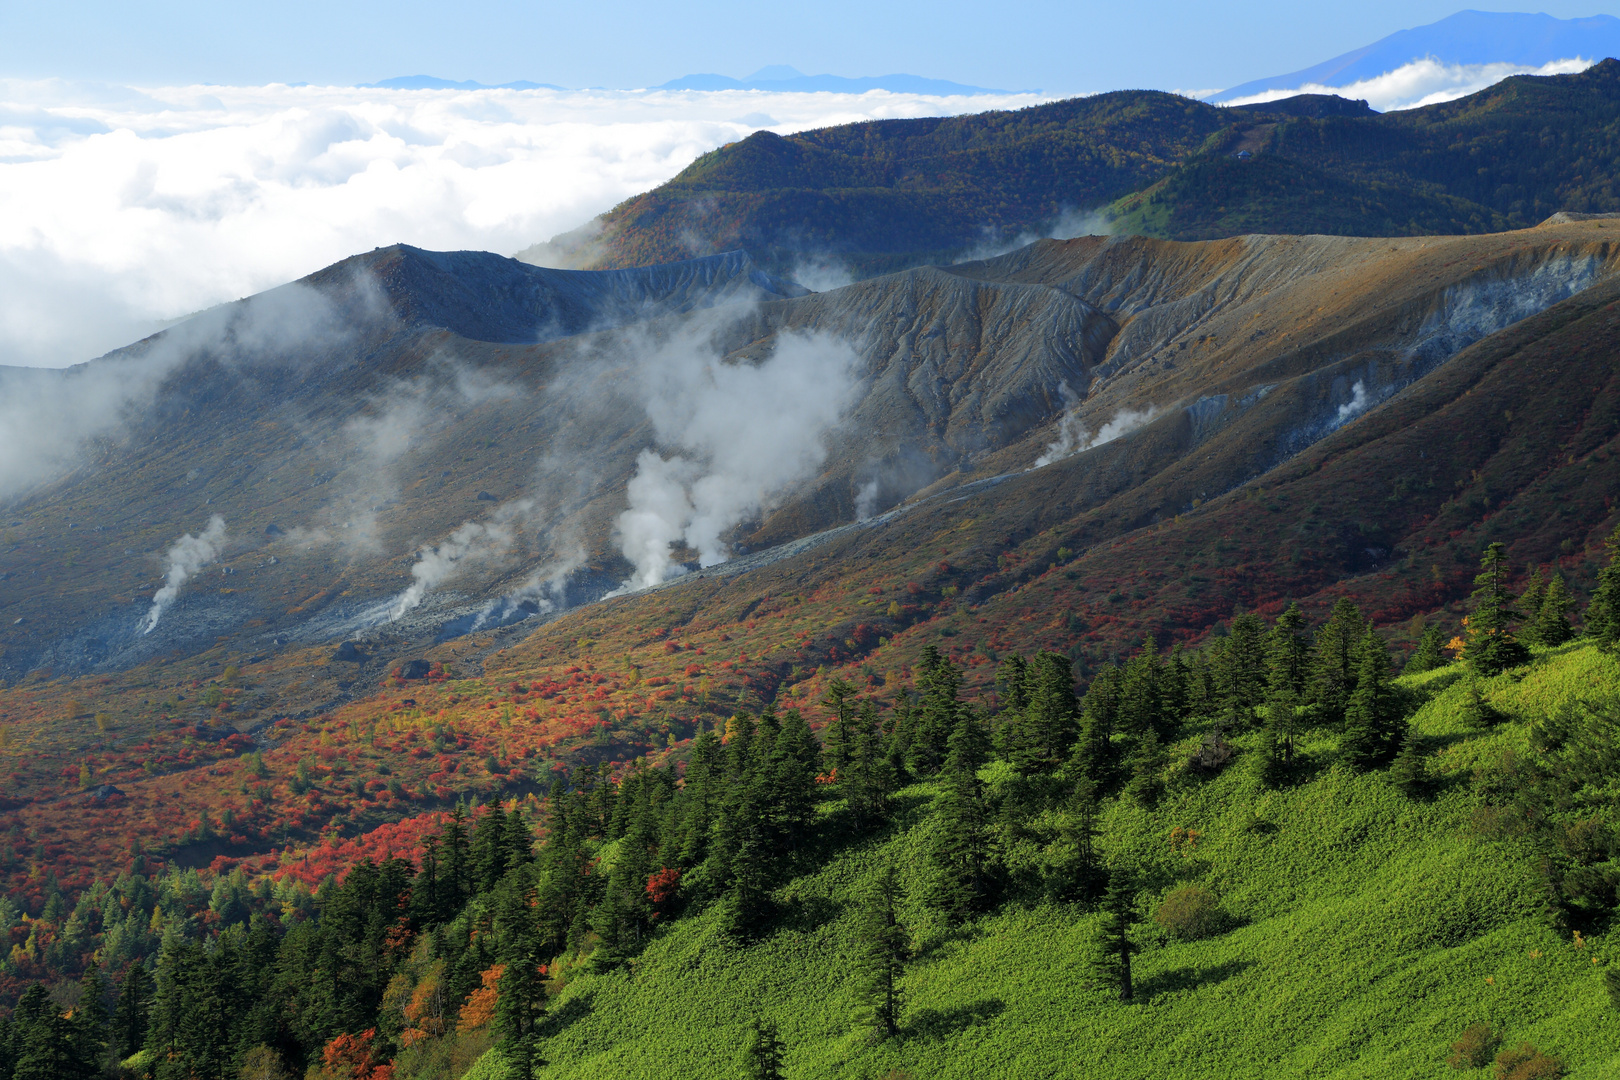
(418, 968)
(881, 195)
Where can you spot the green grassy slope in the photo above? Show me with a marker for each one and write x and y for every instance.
(1367, 930)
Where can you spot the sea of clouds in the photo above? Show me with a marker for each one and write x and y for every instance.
(122, 209)
(1422, 82)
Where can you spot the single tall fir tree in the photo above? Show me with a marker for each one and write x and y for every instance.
(1492, 648)
(882, 947)
(1111, 947)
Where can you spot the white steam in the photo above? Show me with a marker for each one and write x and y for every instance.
(48, 417)
(1073, 436)
(1356, 405)
(188, 555)
(738, 436)
(1422, 82)
(1068, 225)
(866, 500)
(474, 544)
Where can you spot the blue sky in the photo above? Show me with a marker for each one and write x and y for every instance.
(1054, 45)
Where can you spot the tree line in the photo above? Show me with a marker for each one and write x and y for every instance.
(402, 965)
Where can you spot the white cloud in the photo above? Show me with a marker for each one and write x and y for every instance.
(1422, 82)
(123, 208)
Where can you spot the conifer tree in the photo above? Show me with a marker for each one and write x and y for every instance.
(1287, 667)
(45, 1045)
(1093, 757)
(489, 848)
(130, 1016)
(1603, 613)
(761, 1055)
(1551, 621)
(937, 712)
(1333, 666)
(1241, 675)
(705, 783)
(1111, 946)
(869, 780)
(1492, 647)
(1407, 772)
(1140, 703)
(522, 997)
(1476, 712)
(840, 702)
(882, 947)
(1087, 875)
(90, 1018)
(1012, 686)
(961, 850)
(1428, 655)
(1040, 736)
(1174, 690)
(1371, 720)
(456, 871)
(1272, 763)
(1145, 767)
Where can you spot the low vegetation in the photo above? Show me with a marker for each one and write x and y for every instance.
(1267, 854)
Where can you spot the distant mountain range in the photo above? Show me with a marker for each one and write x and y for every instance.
(783, 79)
(1468, 37)
(779, 78)
(429, 82)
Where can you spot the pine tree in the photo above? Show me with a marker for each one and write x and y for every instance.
(869, 780)
(761, 1056)
(1040, 736)
(1273, 758)
(961, 850)
(1111, 947)
(937, 712)
(1093, 756)
(1492, 647)
(1241, 676)
(840, 701)
(1287, 667)
(522, 996)
(456, 872)
(130, 1017)
(1145, 767)
(882, 947)
(1407, 771)
(1087, 876)
(90, 1019)
(1551, 626)
(1333, 668)
(1371, 721)
(489, 848)
(1428, 655)
(1140, 703)
(1012, 678)
(46, 1047)
(1603, 613)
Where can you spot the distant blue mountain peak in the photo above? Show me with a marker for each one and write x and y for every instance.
(1466, 38)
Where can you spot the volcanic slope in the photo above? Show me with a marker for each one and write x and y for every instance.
(1290, 417)
(876, 196)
